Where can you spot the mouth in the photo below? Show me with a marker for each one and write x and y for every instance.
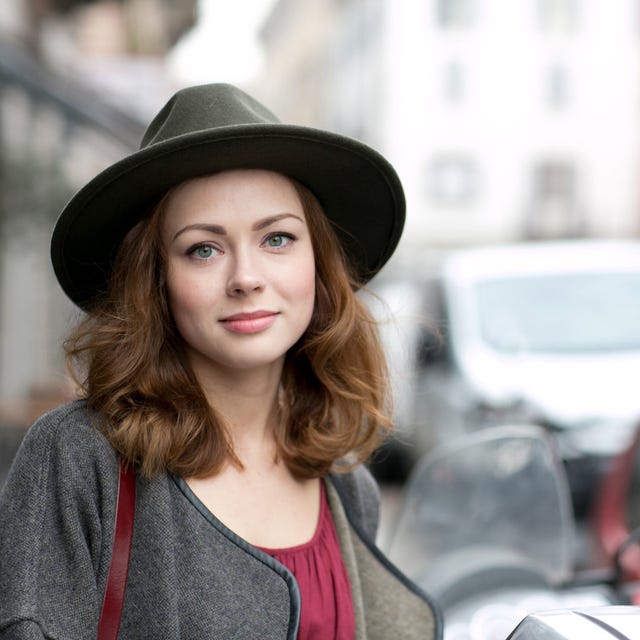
(249, 322)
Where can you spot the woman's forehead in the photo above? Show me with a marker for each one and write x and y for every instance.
(245, 193)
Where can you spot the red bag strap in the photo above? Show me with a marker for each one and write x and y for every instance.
(118, 569)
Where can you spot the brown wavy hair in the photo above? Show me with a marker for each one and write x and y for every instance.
(129, 359)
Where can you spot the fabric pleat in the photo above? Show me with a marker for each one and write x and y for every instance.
(327, 606)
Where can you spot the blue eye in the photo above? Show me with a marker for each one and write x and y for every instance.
(203, 251)
(279, 240)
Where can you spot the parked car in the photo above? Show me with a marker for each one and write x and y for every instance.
(545, 333)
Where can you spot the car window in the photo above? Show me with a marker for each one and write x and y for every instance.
(561, 313)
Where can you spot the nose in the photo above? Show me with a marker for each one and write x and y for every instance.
(244, 276)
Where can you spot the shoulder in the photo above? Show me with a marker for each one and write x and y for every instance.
(70, 425)
(72, 412)
(360, 497)
(64, 445)
(57, 510)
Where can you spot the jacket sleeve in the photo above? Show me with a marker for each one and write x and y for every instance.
(55, 508)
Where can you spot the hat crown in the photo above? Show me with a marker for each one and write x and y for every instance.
(205, 107)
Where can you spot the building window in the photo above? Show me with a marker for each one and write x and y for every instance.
(455, 13)
(557, 87)
(554, 180)
(554, 212)
(558, 16)
(454, 82)
(452, 180)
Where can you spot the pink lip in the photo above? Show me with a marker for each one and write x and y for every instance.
(252, 322)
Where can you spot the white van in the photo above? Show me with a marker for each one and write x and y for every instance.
(545, 333)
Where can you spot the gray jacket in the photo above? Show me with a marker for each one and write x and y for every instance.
(190, 577)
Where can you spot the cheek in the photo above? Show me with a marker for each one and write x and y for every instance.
(308, 294)
(174, 294)
(185, 297)
(305, 284)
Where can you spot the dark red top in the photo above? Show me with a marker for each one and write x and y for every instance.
(327, 607)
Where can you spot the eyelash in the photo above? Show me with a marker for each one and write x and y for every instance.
(280, 234)
(276, 234)
(202, 245)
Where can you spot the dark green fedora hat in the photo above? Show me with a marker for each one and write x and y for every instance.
(210, 128)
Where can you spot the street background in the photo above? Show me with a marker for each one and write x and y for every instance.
(508, 122)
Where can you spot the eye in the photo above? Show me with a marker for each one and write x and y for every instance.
(278, 240)
(203, 251)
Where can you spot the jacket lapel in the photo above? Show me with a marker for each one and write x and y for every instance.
(386, 604)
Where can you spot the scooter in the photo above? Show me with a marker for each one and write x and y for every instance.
(599, 623)
(487, 529)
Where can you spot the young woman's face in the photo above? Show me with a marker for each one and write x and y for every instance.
(240, 268)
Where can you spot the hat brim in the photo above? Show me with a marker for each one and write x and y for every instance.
(357, 188)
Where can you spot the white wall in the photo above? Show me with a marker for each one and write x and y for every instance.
(503, 121)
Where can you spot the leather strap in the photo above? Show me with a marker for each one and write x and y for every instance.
(117, 580)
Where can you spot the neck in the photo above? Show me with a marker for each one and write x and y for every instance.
(248, 401)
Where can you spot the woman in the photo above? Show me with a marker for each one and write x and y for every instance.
(226, 357)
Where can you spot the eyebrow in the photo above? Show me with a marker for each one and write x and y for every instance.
(221, 231)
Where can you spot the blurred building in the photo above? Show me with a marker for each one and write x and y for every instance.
(117, 48)
(77, 80)
(505, 120)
